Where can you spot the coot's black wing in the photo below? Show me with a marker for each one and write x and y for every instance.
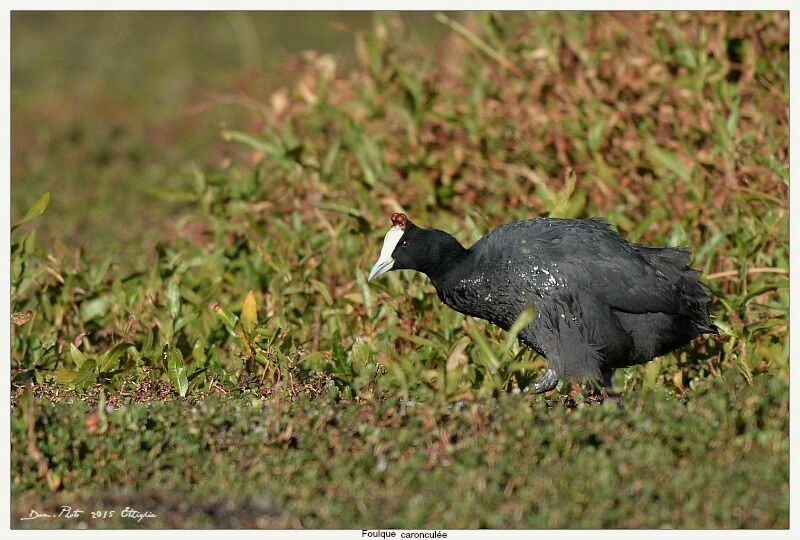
(586, 256)
(574, 325)
(560, 332)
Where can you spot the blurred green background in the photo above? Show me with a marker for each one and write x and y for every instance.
(106, 105)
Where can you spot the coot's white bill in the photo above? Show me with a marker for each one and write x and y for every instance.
(385, 261)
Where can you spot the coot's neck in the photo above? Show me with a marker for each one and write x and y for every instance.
(448, 259)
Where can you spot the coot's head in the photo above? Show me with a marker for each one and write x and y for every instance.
(408, 247)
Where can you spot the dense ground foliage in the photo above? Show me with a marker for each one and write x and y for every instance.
(672, 126)
(716, 461)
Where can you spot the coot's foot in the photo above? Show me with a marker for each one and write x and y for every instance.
(611, 394)
(546, 382)
(607, 384)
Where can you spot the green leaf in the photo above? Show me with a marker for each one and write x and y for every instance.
(95, 308)
(348, 211)
(110, 359)
(686, 56)
(77, 356)
(174, 299)
(515, 367)
(561, 201)
(330, 158)
(99, 271)
(315, 356)
(227, 318)
(658, 213)
(147, 348)
(489, 360)
(36, 210)
(595, 135)
(64, 376)
(185, 321)
(253, 142)
(524, 319)
(360, 355)
(412, 338)
(667, 159)
(176, 369)
(86, 375)
(651, 372)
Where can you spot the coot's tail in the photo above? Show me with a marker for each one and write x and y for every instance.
(706, 328)
(673, 263)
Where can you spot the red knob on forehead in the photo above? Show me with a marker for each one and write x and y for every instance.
(400, 219)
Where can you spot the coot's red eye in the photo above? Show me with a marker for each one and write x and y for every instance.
(405, 243)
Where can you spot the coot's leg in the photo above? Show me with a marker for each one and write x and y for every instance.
(546, 382)
(612, 394)
(607, 375)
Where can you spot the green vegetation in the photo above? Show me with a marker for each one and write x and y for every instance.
(246, 362)
(511, 463)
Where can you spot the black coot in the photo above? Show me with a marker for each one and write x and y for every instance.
(601, 302)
